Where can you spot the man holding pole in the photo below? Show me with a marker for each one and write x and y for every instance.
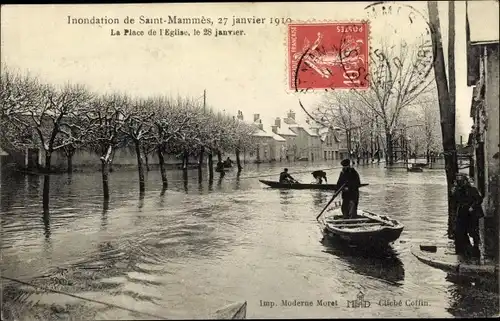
(350, 193)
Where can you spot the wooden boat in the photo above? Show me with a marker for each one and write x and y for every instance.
(367, 228)
(274, 184)
(236, 310)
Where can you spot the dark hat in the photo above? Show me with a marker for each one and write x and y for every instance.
(345, 162)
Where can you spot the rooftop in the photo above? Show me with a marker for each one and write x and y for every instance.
(262, 133)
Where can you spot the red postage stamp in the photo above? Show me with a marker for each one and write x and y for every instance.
(328, 55)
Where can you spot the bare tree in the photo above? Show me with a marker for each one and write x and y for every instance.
(107, 113)
(137, 127)
(52, 119)
(17, 93)
(172, 118)
(424, 128)
(399, 73)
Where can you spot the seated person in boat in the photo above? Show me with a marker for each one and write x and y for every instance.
(350, 193)
(469, 211)
(319, 176)
(228, 162)
(286, 178)
(219, 167)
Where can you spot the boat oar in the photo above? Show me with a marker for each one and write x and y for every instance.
(333, 197)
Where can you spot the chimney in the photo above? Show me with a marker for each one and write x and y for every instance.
(277, 122)
(260, 125)
(256, 117)
(275, 129)
(240, 115)
(291, 114)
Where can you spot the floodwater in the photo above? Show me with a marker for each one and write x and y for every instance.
(196, 247)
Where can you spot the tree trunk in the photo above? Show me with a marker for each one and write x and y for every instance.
(110, 162)
(161, 161)
(105, 178)
(200, 158)
(219, 156)
(146, 160)
(447, 112)
(69, 159)
(210, 166)
(389, 156)
(140, 168)
(238, 160)
(200, 164)
(185, 160)
(46, 181)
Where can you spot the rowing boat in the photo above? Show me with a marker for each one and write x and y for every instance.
(366, 228)
(274, 184)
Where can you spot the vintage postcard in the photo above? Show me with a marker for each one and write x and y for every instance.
(249, 160)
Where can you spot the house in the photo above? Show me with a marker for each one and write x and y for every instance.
(483, 75)
(270, 146)
(263, 142)
(307, 141)
(290, 145)
(343, 148)
(330, 143)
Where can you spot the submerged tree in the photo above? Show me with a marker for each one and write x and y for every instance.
(107, 113)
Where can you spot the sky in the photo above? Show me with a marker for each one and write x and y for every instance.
(247, 73)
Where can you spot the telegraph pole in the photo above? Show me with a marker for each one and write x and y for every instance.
(204, 100)
(446, 108)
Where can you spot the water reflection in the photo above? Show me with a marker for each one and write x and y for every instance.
(383, 264)
(211, 184)
(46, 224)
(238, 179)
(321, 198)
(200, 175)
(285, 196)
(140, 204)
(473, 295)
(104, 214)
(221, 177)
(185, 180)
(185, 251)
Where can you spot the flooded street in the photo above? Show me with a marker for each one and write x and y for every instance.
(187, 252)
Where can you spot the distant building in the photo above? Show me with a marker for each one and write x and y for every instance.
(290, 145)
(483, 75)
(331, 143)
(307, 141)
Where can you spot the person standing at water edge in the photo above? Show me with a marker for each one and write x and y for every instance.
(285, 177)
(469, 212)
(350, 194)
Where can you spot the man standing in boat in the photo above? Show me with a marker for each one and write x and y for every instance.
(350, 194)
(286, 178)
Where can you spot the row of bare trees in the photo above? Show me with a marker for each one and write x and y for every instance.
(400, 79)
(417, 125)
(71, 118)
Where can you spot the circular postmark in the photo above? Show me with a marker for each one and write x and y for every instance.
(401, 44)
(400, 53)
